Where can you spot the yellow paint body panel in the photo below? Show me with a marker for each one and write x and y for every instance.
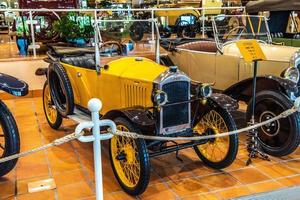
(126, 83)
(175, 14)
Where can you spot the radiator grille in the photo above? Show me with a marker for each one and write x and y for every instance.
(135, 95)
(174, 115)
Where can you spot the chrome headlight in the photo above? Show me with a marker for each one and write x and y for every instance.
(205, 90)
(295, 59)
(161, 98)
(292, 73)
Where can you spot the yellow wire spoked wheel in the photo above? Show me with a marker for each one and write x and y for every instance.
(218, 152)
(130, 160)
(2, 141)
(52, 116)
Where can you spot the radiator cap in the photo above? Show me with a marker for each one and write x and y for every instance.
(173, 69)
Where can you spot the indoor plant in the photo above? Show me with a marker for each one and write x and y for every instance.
(73, 29)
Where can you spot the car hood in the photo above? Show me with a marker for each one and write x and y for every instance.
(272, 52)
(136, 68)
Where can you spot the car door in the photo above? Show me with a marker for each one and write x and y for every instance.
(84, 83)
(227, 71)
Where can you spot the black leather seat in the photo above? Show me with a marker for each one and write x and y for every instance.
(87, 62)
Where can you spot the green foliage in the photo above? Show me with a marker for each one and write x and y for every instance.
(74, 26)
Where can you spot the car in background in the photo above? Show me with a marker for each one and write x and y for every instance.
(282, 20)
(220, 62)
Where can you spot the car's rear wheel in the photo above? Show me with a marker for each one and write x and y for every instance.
(9, 139)
(220, 152)
(279, 138)
(53, 117)
(129, 159)
(60, 90)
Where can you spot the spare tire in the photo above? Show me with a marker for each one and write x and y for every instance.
(61, 89)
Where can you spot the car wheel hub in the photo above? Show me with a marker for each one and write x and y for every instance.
(271, 129)
(211, 131)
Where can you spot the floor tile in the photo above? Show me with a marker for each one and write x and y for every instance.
(264, 186)
(74, 191)
(187, 186)
(7, 189)
(44, 195)
(173, 173)
(219, 181)
(277, 171)
(235, 192)
(249, 175)
(202, 197)
(158, 192)
(290, 181)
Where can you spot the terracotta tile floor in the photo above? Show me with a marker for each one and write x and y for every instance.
(71, 166)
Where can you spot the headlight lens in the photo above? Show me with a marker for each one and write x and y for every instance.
(295, 59)
(292, 73)
(161, 98)
(205, 90)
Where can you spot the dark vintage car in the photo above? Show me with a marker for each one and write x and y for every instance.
(281, 16)
(9, 134)
(43, 28)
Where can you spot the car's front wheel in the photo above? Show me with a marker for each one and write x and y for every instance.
(280, 137)
(129, 159)
(53, 117)
(217, 153)
(9, 139)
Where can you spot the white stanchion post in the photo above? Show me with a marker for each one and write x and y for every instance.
(95, 106)
(203, 23)
(153, 27)
(32, 34)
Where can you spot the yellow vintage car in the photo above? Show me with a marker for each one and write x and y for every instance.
(220, 62)
(141, 96)
(182, 22)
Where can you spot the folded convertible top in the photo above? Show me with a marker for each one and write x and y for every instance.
(171, 44)
(62, 51)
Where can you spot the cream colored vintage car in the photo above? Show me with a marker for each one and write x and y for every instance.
(221, 62)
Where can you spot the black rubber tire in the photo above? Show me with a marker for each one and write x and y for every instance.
(61, 89)
(143, 157)
(56, 125)
(233, 142)
(11, 137)
(282, 103)
(136, 31)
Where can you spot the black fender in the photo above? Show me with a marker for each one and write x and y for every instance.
(243, 89)
(13, 85)
(223, 101)
(199, 108)
(42, 71)
(139, 117)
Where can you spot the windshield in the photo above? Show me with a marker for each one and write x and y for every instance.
(235, 27)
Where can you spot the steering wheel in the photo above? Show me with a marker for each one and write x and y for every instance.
(112, 47)
(235, 30)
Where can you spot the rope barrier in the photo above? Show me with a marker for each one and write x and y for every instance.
(56, 142)
(78, 133)
(205, 137)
